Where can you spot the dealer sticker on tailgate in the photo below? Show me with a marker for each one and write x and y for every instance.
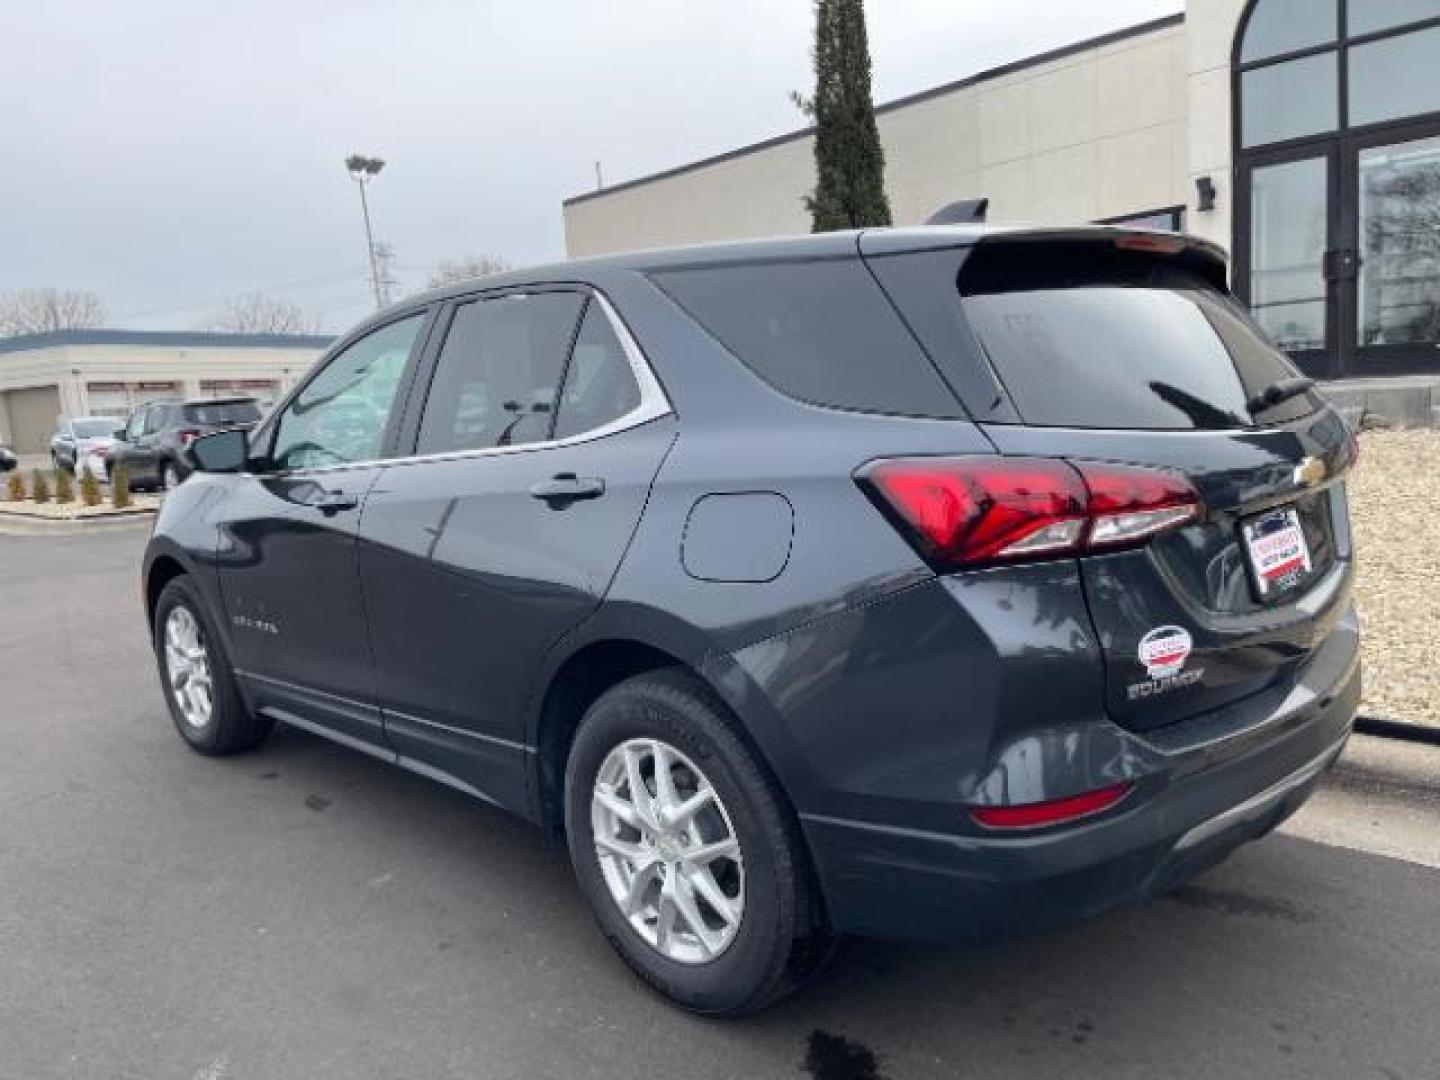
(1279, 555)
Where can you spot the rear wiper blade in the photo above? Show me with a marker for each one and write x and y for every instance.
(1278, 391)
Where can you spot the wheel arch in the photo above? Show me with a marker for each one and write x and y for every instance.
(610, 650)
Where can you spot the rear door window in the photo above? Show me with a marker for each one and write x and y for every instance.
(1121, 344)
(820, 331)
(499, 372)
(599, 386)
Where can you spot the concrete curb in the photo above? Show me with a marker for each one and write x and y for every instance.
(25, 525)
(1386, 728)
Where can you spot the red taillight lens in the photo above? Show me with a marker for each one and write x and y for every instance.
(1055, 812)
(974, 511)
(962, 511)
(1129, 503)
(187, 437)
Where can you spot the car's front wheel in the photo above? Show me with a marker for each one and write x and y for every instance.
(199, 684)
(685, 850)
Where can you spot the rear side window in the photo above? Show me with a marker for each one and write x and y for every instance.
(223, 412)
(819, 331)
(1118, 343)
(499, 372)
(599, 385)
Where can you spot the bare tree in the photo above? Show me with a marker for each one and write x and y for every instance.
(261, 314)
(37, 311)
(471, 266)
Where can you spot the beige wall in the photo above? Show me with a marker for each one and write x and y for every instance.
(73, 367)
(1210, 32)
(1097, 133)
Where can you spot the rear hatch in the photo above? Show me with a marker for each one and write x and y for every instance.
(1126, 349)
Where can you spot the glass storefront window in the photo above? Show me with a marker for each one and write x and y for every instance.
(1368, 16)
(1287, 249)
(1281, 26)
(1395, 77)
(1286, 101)
(1399, 289)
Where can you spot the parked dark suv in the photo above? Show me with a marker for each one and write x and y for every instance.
(913, 583)
(151, 443)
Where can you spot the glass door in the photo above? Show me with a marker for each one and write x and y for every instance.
(1289, 269)
(1393, 181)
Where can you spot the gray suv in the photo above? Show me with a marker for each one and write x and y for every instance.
(915, 583)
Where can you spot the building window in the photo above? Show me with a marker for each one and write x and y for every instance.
(1291, 54)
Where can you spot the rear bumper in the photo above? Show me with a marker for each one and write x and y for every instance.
(1208, 788)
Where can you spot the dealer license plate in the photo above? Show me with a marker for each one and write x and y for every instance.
(1279, 555)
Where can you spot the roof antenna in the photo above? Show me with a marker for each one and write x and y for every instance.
(599, 178)
(964, 212)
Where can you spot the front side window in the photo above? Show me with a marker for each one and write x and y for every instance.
(136, 425)
(341, 415)
(599, 386)
(499, 372)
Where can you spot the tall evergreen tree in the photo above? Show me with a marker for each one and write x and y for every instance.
(849, 161)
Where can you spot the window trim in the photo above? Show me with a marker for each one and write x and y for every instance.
(654, 403)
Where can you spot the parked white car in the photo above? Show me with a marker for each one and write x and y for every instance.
(82, 441)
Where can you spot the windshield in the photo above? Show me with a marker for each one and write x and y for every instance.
(223, 413)
(93, 429)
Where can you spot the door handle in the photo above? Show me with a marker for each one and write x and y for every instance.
(332, 502)
(565, 488)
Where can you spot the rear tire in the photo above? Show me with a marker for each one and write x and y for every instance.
(196, 676)
(779, 937)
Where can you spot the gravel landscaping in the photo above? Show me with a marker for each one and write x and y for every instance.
(1395, 506)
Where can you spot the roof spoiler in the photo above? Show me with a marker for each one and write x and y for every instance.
(963, 212)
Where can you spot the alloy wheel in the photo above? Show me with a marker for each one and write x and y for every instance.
(668, 851)
(187, 666)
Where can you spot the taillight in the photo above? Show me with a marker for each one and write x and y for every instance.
(1128, 503)
(975, 511)
(1055, 812)
(187, 437)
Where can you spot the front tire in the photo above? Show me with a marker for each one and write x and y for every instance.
(199, 684)
(686, 851)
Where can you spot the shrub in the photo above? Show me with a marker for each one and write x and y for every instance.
(15, 485)
(64, 487)
(39, 487)
(89, 488)
(120, 487)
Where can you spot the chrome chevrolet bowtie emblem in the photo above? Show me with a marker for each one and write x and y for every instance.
(1310, 472)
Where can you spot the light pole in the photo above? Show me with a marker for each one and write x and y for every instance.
(362, 170)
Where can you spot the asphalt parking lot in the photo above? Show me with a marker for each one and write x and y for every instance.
(307, 912)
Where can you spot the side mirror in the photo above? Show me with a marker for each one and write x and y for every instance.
(119, 434)
(220, 452)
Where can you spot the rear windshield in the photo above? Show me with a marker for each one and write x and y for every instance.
(820, 331)
(223, 412)
(1121, 343)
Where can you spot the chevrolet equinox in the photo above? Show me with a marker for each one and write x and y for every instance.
(921, 584)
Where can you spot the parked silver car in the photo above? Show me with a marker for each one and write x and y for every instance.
(81, 441)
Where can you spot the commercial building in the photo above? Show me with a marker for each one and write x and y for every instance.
(1302, 135)
(44, 377)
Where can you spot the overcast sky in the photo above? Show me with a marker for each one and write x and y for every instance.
(171, 153)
